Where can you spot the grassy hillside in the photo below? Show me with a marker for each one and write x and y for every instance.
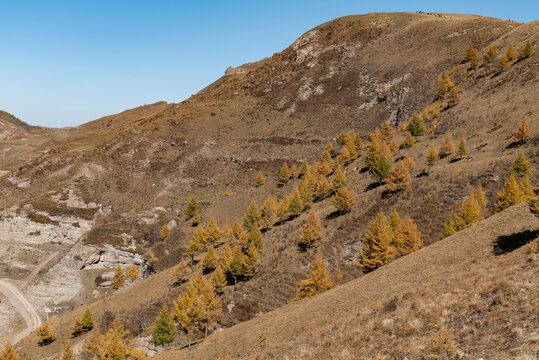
(351, 73)
(471, 295)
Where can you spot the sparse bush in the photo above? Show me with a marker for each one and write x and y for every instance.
(41, 219)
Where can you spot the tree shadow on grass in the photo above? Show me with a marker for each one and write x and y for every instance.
(513, 144)
(507, 243)
(373, 186)
(336, 214)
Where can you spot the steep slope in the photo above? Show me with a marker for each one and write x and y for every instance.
(11, 125)
(139, 168)
(444, 283)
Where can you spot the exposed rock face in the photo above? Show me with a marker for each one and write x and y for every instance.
(24, 244)
(109, 258)
(62, 282)
(45, 257)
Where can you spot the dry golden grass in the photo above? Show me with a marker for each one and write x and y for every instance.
(452, 298)
(214, 143)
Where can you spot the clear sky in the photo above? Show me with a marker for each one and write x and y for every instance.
(63, 63)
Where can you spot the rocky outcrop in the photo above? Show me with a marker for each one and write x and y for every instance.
(108, 258)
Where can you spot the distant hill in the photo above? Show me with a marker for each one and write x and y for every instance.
(11, 125)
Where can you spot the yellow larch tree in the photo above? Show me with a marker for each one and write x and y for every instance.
(312, 231)
(318, 280)
(118, 280)
(260, 179)
(510, 195)
(377, 250)
(342, 200)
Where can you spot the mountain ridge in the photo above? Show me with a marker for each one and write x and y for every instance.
(133, 172)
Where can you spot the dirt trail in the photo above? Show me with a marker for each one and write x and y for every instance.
(28, 313)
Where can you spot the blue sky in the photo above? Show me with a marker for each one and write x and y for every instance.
(63, 63)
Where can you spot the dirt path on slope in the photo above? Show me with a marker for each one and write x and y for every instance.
(28, 313)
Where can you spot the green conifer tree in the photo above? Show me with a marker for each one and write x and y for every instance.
(163, 330)
(46, 335)
(381, 168)
(87, 320)
(252, 216)
(462, 150)
(526, 51)
(521, 167)
(192, 208)
(415, 126)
